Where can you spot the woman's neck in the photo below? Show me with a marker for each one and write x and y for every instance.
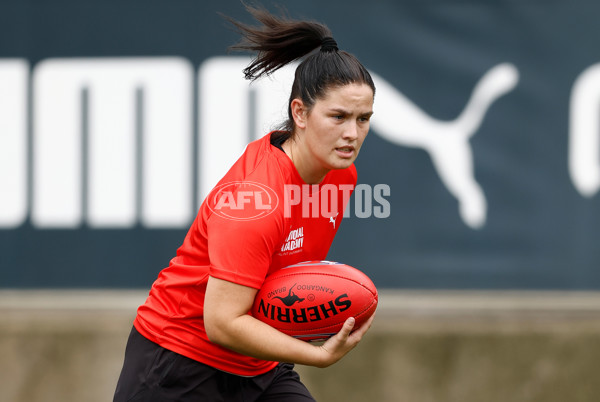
(303, 162)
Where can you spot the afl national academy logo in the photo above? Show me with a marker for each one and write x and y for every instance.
(242, 201)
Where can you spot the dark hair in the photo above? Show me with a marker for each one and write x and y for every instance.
(281, 40)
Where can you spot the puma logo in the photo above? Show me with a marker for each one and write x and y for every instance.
(401, 122)
(332, 219)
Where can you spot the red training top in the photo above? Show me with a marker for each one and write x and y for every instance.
(259, 218)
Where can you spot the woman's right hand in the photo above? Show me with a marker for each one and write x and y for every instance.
(343, 342)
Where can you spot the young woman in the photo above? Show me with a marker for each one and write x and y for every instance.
(194, 339)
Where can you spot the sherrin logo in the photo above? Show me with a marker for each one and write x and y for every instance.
(293, 304)
(279, 310)
(242, 200)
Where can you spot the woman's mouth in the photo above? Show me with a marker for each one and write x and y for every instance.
(345, 152)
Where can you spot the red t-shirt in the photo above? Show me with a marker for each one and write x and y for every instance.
(259, 218)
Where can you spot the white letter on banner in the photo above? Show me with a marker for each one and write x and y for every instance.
(223, 118)
(233, 111)
(13, 142)
(123, 175)
(584, 132)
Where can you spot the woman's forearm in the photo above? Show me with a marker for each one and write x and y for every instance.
(227, 323)
(251, 337)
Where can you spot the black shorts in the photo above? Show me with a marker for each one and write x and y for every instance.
(152, 373)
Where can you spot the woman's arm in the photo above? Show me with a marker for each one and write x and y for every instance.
(228, 324)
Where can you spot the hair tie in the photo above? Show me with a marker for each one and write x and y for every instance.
(329, 44)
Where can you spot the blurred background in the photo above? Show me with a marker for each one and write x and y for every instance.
(117, 117)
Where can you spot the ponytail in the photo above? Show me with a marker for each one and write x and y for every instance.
(278, 42)
(281, 40)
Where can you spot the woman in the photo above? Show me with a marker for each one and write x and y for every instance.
(193, 338)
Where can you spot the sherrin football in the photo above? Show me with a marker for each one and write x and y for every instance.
(312, 300)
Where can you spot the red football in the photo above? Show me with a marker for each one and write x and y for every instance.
(312, 300)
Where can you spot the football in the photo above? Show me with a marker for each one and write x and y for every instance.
(312, 300)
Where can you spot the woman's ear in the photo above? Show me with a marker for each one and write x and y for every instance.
(299, 113)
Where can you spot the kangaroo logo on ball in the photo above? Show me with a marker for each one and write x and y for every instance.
(291, 298)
